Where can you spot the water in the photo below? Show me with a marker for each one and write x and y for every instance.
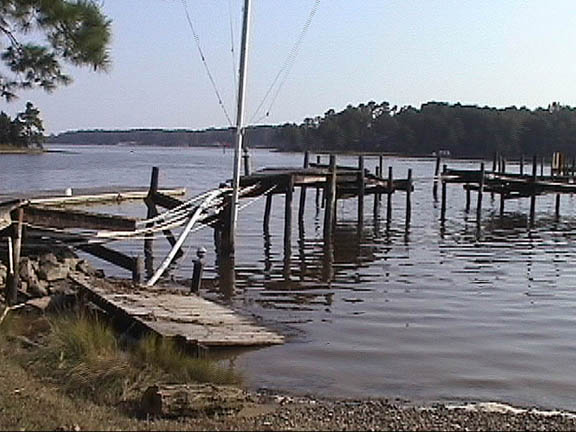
(440, 313)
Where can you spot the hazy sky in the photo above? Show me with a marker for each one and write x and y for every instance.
(485, 52)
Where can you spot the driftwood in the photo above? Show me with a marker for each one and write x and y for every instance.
(180, 400)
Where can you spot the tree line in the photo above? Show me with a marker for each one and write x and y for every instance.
(25, 130)
(463, 130)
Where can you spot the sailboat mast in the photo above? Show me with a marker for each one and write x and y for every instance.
(239, 133)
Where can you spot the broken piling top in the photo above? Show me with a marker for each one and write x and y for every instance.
(188, 317)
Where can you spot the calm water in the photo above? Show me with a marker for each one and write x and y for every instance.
(440, 313)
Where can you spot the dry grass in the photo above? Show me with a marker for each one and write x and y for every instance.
(83, 355)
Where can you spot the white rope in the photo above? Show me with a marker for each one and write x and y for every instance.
(182, 238)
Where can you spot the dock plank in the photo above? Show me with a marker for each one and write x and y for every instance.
(191, 317)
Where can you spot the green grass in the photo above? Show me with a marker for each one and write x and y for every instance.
(83, 355)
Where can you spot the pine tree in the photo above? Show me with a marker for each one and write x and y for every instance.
(37, 36)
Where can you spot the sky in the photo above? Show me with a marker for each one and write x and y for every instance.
(407, 52)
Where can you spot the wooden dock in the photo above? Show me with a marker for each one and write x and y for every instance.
(187, 317)
(82, 196)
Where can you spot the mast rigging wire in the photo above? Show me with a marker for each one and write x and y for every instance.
(287, 65)
(204, 62)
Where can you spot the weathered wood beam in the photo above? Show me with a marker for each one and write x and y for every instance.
(66, 218)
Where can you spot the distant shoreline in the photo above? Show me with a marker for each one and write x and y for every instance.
(20, 150)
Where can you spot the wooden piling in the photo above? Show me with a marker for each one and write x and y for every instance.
(138, 270)
(389, 196)
(377, 196)
(149, 237)
(522, 165)
(330, 207)
(409, 199)
(557, 205)
(13, 279)
(495, 162)
(302, 206)
(246, 158)
(361, 189)
(379, 173)
(467, 209)
(480, 193)
(443, 205)
(542, 166)
(267, 211)
(318, 161)
(436, 173)
(288, 213)
(197, 270)
(533, 194)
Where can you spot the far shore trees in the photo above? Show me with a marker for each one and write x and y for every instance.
(36, 38)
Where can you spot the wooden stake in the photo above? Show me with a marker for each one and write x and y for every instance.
(557, 205)
(138, 270)
(467, 209)
(13, 279)
(377, 195)
(522, 165)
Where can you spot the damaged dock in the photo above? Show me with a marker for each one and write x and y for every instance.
(190, 318)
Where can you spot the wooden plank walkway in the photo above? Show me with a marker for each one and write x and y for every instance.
(88, 195)
(197, 320)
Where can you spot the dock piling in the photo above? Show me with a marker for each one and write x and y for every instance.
(330, 195)
(302, 205)
(409, 200)
(533, 191)
(361, 190)
(443, 205)
(15, 240)
(389, 196)
(480, 193)
(288, 213)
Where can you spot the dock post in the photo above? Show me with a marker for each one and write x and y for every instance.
(557, 205)
(409, 200)
(522, 164)
(267, 211)
(443, 205)
(389, 197)
(467, 187)
(533, 195)
(226, 236)
(318, 160)
(246, 158)
(573, 170)
(138, 270)
(330, 207)
(302, 205)
(377, 195)
(495, 161)
(436, 173)
(149, 237)
(480, 193)
(542, 166)
(13, 278)
(361, 190)
(197, 271)
(288, 213)
(380, 173)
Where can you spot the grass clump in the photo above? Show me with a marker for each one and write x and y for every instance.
(84, 354)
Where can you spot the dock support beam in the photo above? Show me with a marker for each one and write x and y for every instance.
(533, 195)
(288, 214)
(389, 197)
(480, 193)
(443, 204)
(409, 200)
(436, 173)
(302, 205)
(361, 191)
(330, 196)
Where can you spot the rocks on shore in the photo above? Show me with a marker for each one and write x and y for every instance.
(47, 274)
